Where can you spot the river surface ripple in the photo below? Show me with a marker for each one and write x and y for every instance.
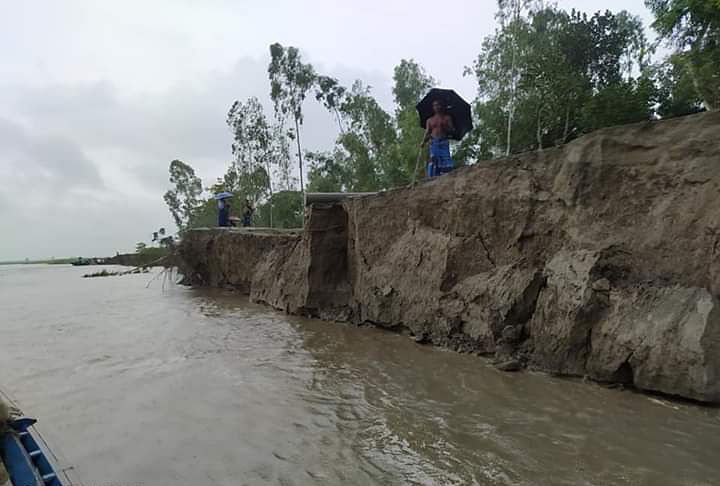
(166, 385)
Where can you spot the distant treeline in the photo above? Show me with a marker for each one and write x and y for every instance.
(53, 261)
(141, 258)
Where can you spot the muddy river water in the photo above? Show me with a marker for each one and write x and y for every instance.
(166, 385)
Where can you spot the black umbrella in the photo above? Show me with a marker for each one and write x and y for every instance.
(456, 107)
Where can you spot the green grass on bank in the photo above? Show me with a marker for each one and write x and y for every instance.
(142, 258)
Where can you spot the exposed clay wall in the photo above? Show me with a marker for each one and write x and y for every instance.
(599, 259)
(228, 257)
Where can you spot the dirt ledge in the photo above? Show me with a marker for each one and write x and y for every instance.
(598, 259)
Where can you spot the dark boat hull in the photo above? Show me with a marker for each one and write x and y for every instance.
(26, 462)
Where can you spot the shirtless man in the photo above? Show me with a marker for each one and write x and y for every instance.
(437, 129)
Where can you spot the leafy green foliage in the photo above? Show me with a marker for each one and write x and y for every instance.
(331, 94)
(411, 84)
(636, 97)
(693, 27)
(183, 199)
(329, 172)
(545, 77)
(260, 154)
(677, 93)
(287, 207)
(290, 81)
(206, 215)
(375, 150)
(256, 151)
(688, 23)
(360, 157)
(570, 74)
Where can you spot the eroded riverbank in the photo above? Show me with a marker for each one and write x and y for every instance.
(153, 387)
(596, 259)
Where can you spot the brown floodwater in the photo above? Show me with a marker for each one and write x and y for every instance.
(164, 385)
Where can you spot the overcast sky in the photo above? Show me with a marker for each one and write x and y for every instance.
(98, 96)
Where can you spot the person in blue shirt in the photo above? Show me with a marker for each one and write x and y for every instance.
(223, 212)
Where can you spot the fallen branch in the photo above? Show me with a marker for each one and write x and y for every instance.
(105, 273)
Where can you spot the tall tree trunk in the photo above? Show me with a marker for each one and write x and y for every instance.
(297, 139)
(513, 75)
(339, 120)
(270, 188)
(511, 110)
(567, 124)
(707, 92)
(538, 130)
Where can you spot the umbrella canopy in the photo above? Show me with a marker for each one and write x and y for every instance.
(456, 107)
(223, 195)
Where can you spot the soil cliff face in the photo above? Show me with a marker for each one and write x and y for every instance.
(600, 259)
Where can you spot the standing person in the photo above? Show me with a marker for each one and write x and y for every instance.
(248, 213)
(437, 129)
(223, 212)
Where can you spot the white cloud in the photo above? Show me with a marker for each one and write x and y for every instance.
(96, 98)
(119, 173)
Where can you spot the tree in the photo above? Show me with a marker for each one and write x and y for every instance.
(288, 209)
(331, 94)
(329, 172)
(257, 148)
(365, 155)
(572, 74)
(206, 214)
(290, 80)
(375, 150)
(183, 199)
(687, 23)
(636, 97)
(510, 14)
(636, 48)
(498, 70)
(693, 28)
(411, 84)
(676, 91)
(368, 140)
